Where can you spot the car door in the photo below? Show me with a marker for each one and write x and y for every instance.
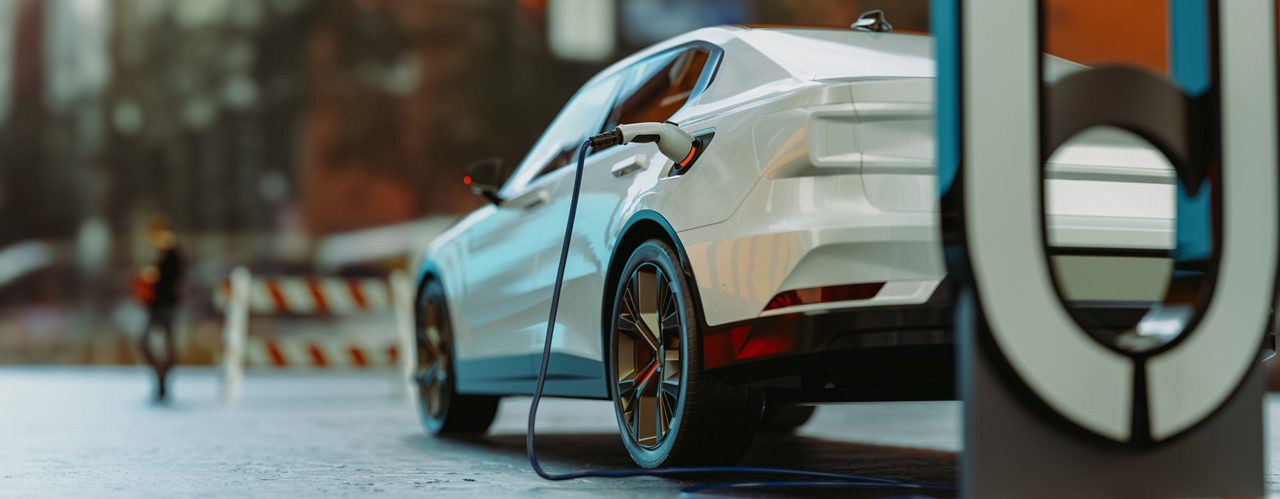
(653, 90)
(507, 252)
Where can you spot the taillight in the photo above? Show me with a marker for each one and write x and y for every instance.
(808, 296)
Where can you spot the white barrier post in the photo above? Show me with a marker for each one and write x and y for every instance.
(402, 307)
(235, 334)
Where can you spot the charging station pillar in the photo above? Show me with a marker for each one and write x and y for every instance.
(1010, 450)
(1050, 409)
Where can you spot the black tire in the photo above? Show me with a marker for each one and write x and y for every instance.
(442, 410)
(785, 418)
(708, 422)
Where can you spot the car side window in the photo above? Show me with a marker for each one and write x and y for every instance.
(581, 118)
(660, 86)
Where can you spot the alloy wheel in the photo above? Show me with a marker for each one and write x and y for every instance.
(647, 356)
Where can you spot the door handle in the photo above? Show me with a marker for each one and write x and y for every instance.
(630, 165)
(530, 199)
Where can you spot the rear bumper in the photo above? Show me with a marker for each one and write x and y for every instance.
(835, 230)
(864, 354)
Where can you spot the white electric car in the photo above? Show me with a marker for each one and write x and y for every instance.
(797, 260)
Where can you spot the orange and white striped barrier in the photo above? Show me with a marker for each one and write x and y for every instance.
(319, 354)
(241, 295)
(313, 295)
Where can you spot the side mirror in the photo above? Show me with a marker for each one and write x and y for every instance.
(485, 178)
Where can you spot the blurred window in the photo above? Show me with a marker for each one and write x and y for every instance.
(660, 86)
(581, 118)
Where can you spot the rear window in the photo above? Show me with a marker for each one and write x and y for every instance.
(659, 86)
(661, 92)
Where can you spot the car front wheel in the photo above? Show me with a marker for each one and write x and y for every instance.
(669, 411)
(442, 409)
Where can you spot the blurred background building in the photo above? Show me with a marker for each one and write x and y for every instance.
(313, 135)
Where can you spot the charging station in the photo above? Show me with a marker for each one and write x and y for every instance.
(1050, 410)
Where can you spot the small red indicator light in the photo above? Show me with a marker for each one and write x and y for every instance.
(466, 180)
(808, 296)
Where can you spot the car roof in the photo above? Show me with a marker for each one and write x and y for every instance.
(823, 53)
(811, 53)
(815, 53)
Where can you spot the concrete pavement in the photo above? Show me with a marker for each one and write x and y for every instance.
(91, 432)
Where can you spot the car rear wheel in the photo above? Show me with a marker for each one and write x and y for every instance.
(669, 411)
(443, 411)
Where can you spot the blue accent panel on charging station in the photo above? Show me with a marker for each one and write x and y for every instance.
(1189, 45)
(1194, 229)
(1189, 65)
(944, 22)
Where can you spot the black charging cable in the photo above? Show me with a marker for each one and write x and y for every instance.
(816, 479)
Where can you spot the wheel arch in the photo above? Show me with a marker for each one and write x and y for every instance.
(427, 271)
(641, 227)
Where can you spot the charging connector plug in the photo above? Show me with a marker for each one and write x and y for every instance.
(607, 139)
(674, 143)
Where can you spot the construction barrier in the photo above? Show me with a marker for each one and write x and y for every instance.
(243, 295)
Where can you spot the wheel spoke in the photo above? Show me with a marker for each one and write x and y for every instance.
(635, 414)
(647, 336)
(626, 388)
(632, 320)
(434, 340)
(668, 313)
(646, 376)
(671, 388)
(428, 373)
(645, 380)
(431, 381)
(630, 309)
(634, 293)
(671, 323)
(659, 413)
(666, 296)
(646, 294)
(626, 400)
(430, 331)
(668, 396)
(661, 409)
(627, 323)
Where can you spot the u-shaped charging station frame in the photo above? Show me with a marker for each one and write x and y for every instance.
(1049, 410)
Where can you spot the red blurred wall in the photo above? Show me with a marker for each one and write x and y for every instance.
(1097, 31)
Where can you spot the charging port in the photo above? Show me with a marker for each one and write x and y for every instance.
(701, 140)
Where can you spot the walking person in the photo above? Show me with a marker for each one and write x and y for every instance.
(158, 287)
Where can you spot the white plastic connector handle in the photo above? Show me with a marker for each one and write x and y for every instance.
(673, 142)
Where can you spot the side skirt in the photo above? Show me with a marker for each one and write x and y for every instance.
(567, 376)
